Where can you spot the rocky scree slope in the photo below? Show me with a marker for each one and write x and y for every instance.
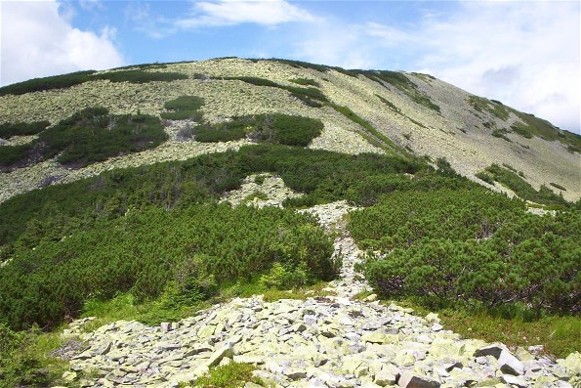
(362, 111)
(330, 341)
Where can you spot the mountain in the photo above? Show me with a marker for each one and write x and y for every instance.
(279, 223)
(361, 111)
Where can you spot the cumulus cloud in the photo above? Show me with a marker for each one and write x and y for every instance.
(39, 41)
(526, 56)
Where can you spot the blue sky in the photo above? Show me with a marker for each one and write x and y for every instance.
(524, 53)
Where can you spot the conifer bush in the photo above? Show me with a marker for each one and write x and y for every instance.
(472, 247)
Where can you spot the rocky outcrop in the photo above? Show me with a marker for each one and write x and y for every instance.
(331, 341)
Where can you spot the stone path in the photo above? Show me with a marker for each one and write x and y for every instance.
(333, 341)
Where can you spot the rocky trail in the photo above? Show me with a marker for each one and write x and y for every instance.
(330, 341)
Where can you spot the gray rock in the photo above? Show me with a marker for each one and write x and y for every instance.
(510, 364)
(491, 350)
(514, 380)
(410, 380)
(219, 354)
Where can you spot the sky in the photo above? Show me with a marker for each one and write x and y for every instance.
(523, 53)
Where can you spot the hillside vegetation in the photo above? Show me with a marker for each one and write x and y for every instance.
(110, 202)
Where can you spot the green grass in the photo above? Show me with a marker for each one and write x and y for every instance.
(232, 375)
(376, 137)
(534, 126)
(404, 84)
(389, 104)
(493, 107)
(558, 334)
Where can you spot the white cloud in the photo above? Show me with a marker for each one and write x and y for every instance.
(39, 41)
(232, 12)
(524, 55)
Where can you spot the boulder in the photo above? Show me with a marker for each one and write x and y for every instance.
(510, 364)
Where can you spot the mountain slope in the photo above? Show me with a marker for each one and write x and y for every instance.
(362, 111)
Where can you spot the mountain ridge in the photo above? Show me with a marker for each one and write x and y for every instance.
(405, 113)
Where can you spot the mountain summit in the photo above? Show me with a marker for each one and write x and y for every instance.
(45, 139)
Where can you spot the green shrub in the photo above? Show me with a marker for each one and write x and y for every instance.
(25, 359)
(183, 108)
(483, 176)
(11, 155)
(47, 83)
(305, 82)
(404, 84)
(404, 218)
(522, 130)
(312, 97)
(7, 130)
(68, 80)
(522, 188)
(493, 107)
(226, 131)
(377, 137)
(271, 128)
(139, 76)
(452, 247)
(88, 136)
(194, 250)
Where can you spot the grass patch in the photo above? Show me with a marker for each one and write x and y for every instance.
(533, 126)
(232, 375)
(501, 133)
(378, 139)
(558, 334)
(183, 108)
(493, 107)
(404, 84)
(389, 104)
